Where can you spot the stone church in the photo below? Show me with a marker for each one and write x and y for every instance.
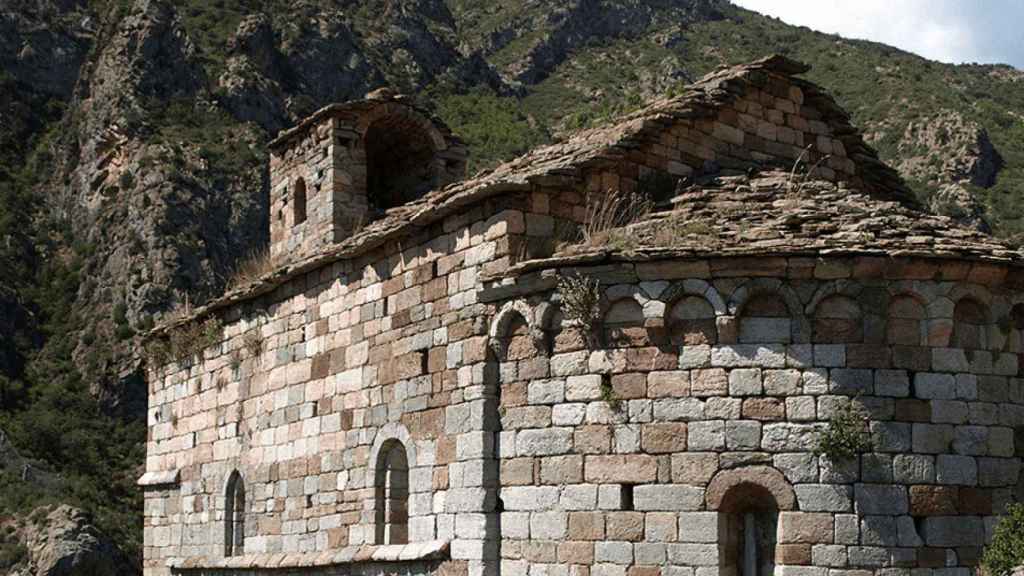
(717, 337)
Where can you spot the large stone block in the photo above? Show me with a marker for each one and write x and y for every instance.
(630, 469)
(544, 441)
(824, 497)
(663, 437)
(805, 528)
(668, 497)
(953, 531)
(880, 499)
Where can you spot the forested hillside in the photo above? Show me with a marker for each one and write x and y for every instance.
(133, 173)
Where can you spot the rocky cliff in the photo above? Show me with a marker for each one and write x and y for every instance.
(133, 161)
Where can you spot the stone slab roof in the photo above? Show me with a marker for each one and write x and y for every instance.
(562, 164)
(781, 214)
(412, 552)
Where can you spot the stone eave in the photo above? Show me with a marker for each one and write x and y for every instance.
(159, 479)
(540, 275)
(390, 553)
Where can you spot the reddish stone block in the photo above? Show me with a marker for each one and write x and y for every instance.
(664, 437)
(793, 554)
(975, 501)
(910, 410)
(586, 526)
(765, 409)
(933, 500)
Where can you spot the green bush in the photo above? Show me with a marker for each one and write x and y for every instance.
(847, 434)
(1006, 551)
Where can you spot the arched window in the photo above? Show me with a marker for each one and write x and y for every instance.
(299, 202)
(399, 161)
(234, 516)
(748, 523)
(837, 320)
(906, 322)
(765, 318)
(391, 494)
(970, 324)
(624, 324)
(748, 501)
(692, 321)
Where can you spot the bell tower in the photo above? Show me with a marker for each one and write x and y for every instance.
(345, 165)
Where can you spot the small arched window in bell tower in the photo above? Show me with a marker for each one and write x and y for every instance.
(299, 202)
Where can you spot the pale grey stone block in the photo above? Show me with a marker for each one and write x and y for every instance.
(851, 381)
(570, 363)
(967, 386)
(693, 554)
(1001, 442)
(913, 469)
(781, 382)
(706, 436)
(881, 499)
(950, 360)
(546, 392)
(824, 497)
(613, 552)
(998, 471)
(742, 435)
(800, 355)
(876, 468)
(970, 440)
(571, 414)
(695, 357)
(678, 409)
(798, 467)
(745, 382)
(544, 442)
(667, 497)
(583, 388)
(698, 527)
(785, 437)
(953, 531)
(650, 553)
(529, 498)
(549, 525)
(815, 381)
(723, 408)
(868, 556)
(830, 355)
(933, 386)
(579, 497)
(846, 471)
(801, 409)
(830, 555)
(932, 438)
(878, 531)
(749, 355)
(609, 497)
(955, 469)
(949, 411)
(893, 383)
(906, 532)
(847, 529)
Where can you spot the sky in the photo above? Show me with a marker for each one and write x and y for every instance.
(956, 31)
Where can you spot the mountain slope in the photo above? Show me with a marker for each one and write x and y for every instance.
(133, 173)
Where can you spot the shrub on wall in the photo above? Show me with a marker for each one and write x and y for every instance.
(1006, 551)
(848, 434)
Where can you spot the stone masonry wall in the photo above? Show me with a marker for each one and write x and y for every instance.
(709, 380)
(310, 381)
